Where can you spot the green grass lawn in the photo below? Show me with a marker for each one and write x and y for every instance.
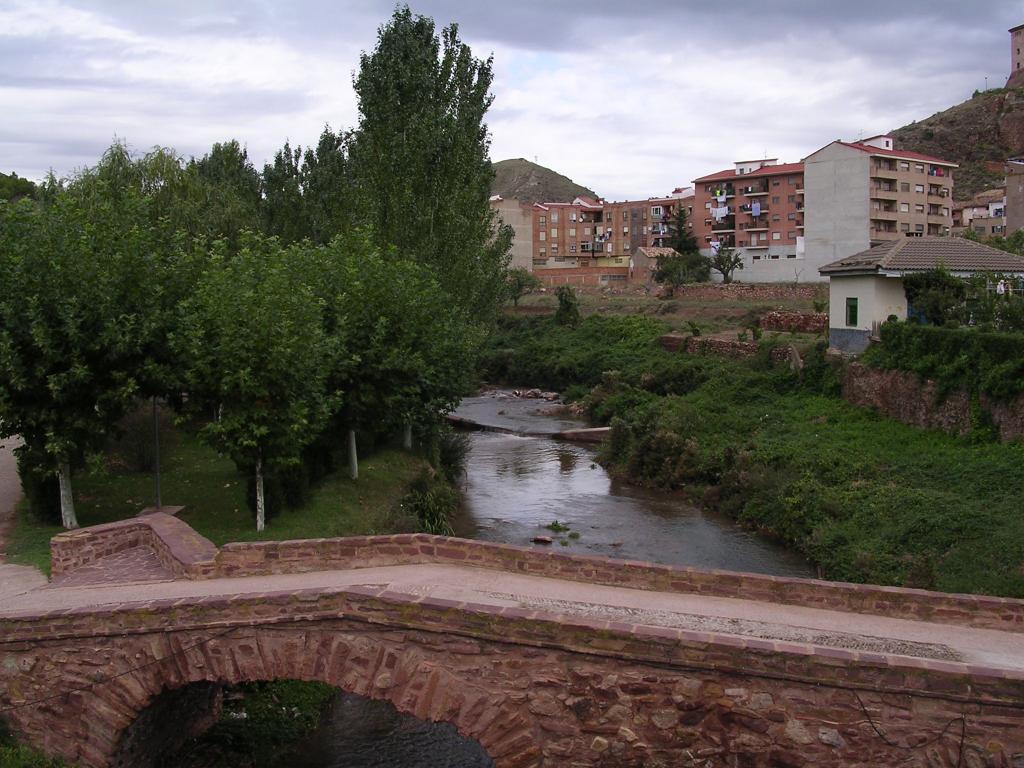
(213, 493)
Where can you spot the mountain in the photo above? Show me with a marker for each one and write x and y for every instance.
(532, 183)
(979, 134)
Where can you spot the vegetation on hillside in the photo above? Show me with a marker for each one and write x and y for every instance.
(987, 128)
(532, 183)
(866, 498)
(13, 187)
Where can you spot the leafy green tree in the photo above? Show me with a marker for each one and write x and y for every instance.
(681, 238)
(253, 342)
(725, 261)
(407, 358)
(85, 286)
(937, 295)
(231, 189)
(328, 187)
(12, 187)
(285, 212)
(420, 159)
(521, 281)
(678, 269)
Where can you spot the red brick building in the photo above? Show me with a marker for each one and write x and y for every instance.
(757, 207)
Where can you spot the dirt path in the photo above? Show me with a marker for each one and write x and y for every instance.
(14, 579)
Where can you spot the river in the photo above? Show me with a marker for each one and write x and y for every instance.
(515, 486)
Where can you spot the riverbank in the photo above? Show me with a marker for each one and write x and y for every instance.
(865, 498)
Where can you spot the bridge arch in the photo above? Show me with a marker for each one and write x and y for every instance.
(431, 678)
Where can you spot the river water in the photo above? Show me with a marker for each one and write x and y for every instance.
(515, 486)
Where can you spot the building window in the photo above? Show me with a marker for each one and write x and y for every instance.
(655, 210)
(625, 230)
(554, 217)
(791, 234)
(554, 233)
(544, 253)
(920, 228)
(792, 181)
(904, 227)
(776, 217)
(543, 221)
(625, 215)
(586, 231)
(572, 247)
(554, 248)
(919, 168)
(572, 231)
(918, 208)
(643, 230)
(572, 216)
(776, 235)
(776, 182)
(904, 207)
(791, 216)
(609, 247)
(851, 312)
(625, 246)
(775, 200)
(543, 236)
(791, 199)
(919, 188)
(904, 166)
(904, 186)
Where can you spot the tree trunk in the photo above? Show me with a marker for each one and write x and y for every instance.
(261, 510)
(407, 436)
(353, 457)
(67, 502)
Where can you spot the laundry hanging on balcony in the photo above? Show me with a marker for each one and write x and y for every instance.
(720, 213)
(755, 209)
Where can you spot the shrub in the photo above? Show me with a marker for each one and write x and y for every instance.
(568, 312)
(433, 501)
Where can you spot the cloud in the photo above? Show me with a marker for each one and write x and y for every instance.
(629, 99)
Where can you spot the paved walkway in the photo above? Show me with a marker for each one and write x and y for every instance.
(749, 618)
(13, 578)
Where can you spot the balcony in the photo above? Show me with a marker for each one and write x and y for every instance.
(757, 247)
(753, 191)
(724, 226)
(880, 215)
(726, 189)
(757, 226)
(937, 192)
(749, 208)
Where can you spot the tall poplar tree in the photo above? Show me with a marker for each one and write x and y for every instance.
(420, 158)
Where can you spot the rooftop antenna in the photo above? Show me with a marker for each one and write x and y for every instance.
(986, 82)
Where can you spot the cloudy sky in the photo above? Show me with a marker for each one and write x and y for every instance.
(629, 98)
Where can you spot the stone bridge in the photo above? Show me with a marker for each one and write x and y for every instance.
(545, 658)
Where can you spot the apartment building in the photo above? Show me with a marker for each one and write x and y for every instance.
(983, 214)
(519, 216)
(860, 194)
(1014, 195)
(597, 233)
(756, 207)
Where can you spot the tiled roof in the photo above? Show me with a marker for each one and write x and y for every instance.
(906, 155)
(918, 254)
(768, 170)
(656, 252)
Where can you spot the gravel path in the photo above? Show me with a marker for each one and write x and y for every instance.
(14, 579)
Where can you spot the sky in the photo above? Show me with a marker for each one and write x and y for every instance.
(631, 99)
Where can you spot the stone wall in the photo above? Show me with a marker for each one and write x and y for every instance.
(534, 690)
(920, 403)
(796, 322)
(581, 276)
(308, 555)
(728, 348)
(751, 291)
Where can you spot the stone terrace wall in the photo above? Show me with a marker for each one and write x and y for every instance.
(703, 345)
(907, 398)
(751, 291)
(535, 690)
(796, 322)
(202, 560)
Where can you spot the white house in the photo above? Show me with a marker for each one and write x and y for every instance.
(866, 288)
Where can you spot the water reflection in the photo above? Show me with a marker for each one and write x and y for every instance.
(362, 733)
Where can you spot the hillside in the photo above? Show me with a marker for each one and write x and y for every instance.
(532, 183)
(986, 129)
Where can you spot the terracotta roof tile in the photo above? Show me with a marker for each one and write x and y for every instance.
(905, 154)
(918, 254)
(768, 170)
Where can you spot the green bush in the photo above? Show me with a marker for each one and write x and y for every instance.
(956, 358)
